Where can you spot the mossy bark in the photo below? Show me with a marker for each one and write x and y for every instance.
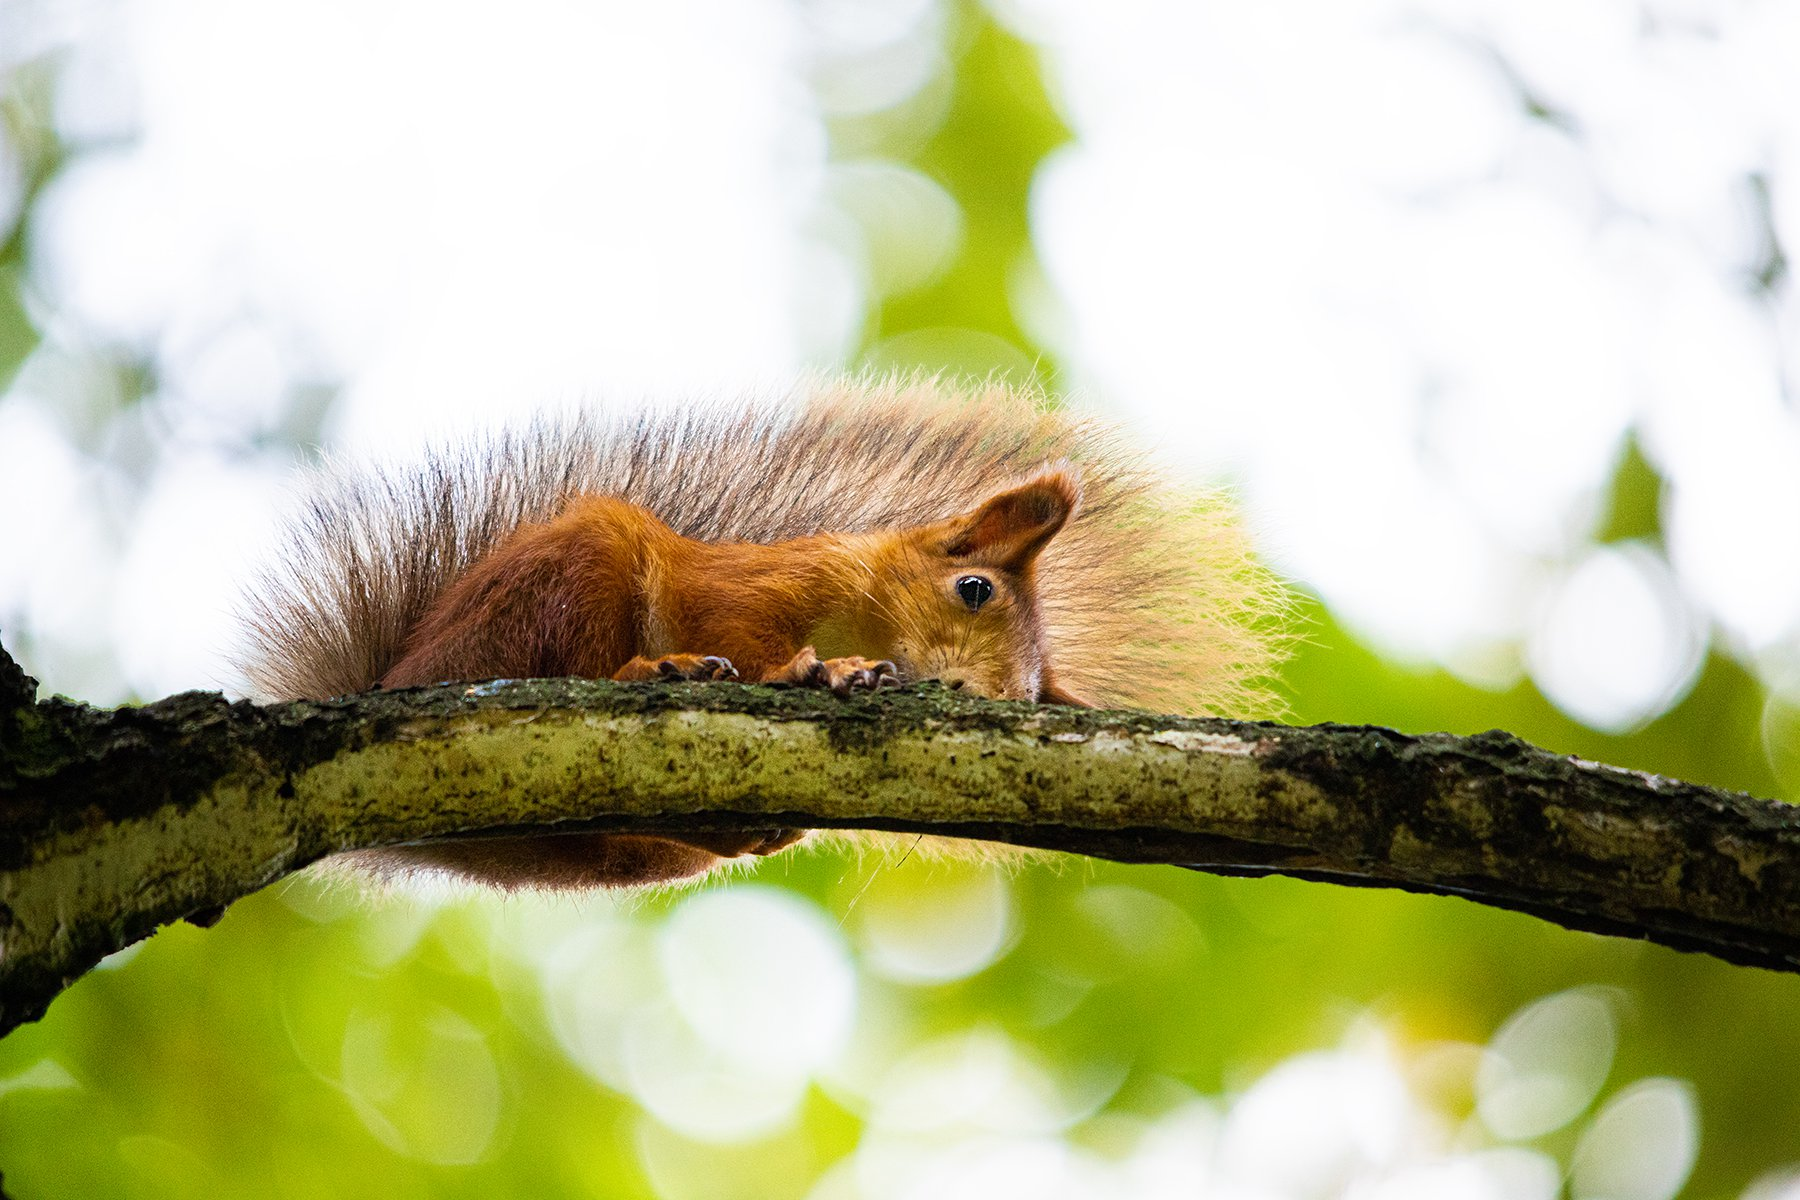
(115, 821)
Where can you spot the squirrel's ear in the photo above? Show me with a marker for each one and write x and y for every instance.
(1010, 529)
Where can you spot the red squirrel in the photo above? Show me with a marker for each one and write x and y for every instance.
(866, 534)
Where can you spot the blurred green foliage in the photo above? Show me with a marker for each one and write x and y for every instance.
(24, 120)
(315, 1045)
(996, 128)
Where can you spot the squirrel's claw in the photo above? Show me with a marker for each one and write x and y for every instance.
(846, 675)
(698, 668)
(851, 673)
(677, 668)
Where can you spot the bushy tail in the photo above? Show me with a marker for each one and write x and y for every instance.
(1150, 595)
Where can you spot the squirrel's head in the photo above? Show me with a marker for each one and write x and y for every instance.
(959, 596)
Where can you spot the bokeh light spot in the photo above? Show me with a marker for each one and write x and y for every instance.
(1546, 1064)
(1640, 1146)
(424, 1083)
(1781, 740)
(1617, 645)
(979, 1081)
(761, 976)
(1315, 1122)
(935, 924)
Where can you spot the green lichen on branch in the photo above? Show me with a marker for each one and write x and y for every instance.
(112, 822)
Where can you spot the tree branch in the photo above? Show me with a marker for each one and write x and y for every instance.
(115, 821)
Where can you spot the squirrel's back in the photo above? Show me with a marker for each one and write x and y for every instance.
(1149, 596)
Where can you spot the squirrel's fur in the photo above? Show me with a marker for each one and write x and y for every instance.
(1146, 596)
(1149, 595)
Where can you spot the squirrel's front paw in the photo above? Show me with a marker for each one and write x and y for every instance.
(675, 668)
(842, 675)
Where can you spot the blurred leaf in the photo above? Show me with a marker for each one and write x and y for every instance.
(1634, 504)
(18, 338)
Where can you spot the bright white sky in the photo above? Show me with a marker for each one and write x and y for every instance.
(1317, 246)
(1324, 245)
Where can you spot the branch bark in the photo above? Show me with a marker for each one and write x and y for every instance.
(115, 821)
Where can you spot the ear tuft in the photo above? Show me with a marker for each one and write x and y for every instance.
(1009, 529)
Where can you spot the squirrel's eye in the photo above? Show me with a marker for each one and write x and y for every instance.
(974, 590)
